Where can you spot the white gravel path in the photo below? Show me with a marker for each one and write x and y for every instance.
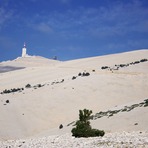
(110, 140)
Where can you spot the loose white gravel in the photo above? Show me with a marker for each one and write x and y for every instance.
(111, 140)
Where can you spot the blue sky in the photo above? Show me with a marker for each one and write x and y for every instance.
(71, 29)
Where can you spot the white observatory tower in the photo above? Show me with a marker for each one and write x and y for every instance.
(24, 51)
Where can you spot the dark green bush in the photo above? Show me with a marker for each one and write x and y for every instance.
(146, 103)
(73, 78)
(104, 67)
(143, 60)
(97, 132)
(83, 128)
(28, 86)
(61, 126)
(39, 85)
(79, 74)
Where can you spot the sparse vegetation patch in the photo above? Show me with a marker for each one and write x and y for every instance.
(111, 113)
(7, 91)
(28, 86)
(116, 67)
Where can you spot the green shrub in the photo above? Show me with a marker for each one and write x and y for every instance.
(83, 128)
(28, 86)
(146, 103)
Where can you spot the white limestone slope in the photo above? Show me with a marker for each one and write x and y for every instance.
(40, 111)
(30, 61)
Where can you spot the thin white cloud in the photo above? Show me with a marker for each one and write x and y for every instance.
(43, 27)
(7, 42)
(119, 19)
(65, 1)
(5, 16)
(62, 1)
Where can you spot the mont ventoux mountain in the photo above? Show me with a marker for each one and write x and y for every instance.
(38, 94)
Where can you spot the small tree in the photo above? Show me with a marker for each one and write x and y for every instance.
(83, 128)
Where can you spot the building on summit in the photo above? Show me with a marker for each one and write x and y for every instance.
(24, 51)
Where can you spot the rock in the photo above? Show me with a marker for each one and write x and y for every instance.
(121, 139)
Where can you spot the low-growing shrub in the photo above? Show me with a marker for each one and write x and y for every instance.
(143, 60)
(79, 74)
(7, 101)
(39, 85)
(146, 103)
(61, 126)
(136, 62)
(28, 86)
(104, 67)
(74, 77)
(6, 91)
(85, 74)
(62, 80)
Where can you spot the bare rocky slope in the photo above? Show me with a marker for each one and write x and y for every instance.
(36, 99)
